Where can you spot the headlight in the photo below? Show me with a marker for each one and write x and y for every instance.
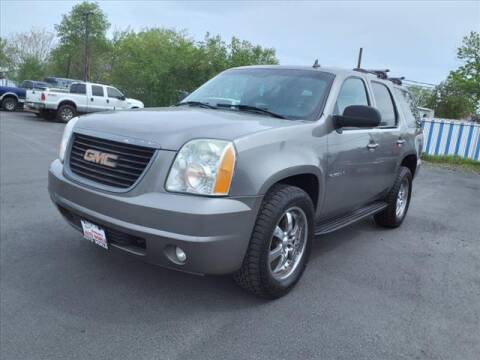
(67, 134)
(203, 167)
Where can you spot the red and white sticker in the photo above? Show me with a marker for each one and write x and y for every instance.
(94, 233)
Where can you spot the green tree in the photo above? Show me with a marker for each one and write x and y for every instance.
(31, 68)
(155, 64)
(421, 95)
(459, 95)
(26, 54)
(450, 101)
(467, 76)
(5, 57)
(68, 58)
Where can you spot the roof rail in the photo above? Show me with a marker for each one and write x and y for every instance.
(381, 74)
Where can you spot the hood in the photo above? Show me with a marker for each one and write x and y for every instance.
(134, 103)
(170, 128)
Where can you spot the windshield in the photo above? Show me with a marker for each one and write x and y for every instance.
(293, 94)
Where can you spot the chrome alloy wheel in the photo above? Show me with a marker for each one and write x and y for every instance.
(66, 114)
(288, 243)
(9, 105)
(402, 198)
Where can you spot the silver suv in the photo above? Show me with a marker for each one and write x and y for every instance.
(244, 173)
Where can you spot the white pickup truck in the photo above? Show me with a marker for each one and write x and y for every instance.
(82, 98)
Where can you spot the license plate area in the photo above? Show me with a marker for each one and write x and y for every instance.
(94, 233)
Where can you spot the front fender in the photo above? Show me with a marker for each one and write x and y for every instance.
(269, 157)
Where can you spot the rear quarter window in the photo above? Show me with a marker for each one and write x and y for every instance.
(78, 89)
(408, 107)
(384, 103)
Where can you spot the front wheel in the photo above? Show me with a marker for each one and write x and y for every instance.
(398, 200)
(9, 103)
(280, 244)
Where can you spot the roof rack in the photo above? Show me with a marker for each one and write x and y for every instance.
(396, 80)
(381, 74)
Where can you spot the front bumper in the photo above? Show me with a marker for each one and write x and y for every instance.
(213, 232)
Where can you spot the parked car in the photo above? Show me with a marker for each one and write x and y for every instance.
(13, 96)
(81, 99)
(244, 173)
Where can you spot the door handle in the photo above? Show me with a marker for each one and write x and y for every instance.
(400, 142)
(372, 146)
(108, 101)
(91, 99)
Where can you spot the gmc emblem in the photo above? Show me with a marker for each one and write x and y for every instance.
(101, 158)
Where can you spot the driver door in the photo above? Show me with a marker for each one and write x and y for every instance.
(115, 99)
(352, 156)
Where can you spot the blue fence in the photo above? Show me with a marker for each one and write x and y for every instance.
(451, 137)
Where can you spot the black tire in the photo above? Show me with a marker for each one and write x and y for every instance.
(9, 103)
(47, 115)
(65, 113)
(389, 217)
(255, 275)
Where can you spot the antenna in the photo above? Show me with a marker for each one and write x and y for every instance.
(316, 64)
(359, 63)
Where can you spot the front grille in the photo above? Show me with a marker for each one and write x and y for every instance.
(130, 163)
(113, 236)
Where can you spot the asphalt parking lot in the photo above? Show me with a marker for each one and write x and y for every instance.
(368, 293)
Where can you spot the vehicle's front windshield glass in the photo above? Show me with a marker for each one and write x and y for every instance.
(293, 94)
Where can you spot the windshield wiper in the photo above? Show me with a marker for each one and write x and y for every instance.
(196, 103)
(243, 107)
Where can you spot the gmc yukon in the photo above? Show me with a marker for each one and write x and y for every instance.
(241, 176)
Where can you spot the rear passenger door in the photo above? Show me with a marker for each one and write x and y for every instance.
(387, 135)
(79, 90)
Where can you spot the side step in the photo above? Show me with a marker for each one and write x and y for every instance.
(338, 222)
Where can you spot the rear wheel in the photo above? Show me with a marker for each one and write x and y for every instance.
(280, 244)
(9, 103)
(65, 113)
(398, 201)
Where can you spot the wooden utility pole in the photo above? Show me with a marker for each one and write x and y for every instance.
(86, 14)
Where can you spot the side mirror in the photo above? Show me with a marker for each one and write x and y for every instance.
(123, 98)
(358, 116)
(182, 94)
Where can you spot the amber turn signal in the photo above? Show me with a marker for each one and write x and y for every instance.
(225, 171)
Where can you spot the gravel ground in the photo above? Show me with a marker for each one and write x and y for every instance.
(368, 293)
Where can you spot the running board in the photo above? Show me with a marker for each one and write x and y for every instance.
(330, 225)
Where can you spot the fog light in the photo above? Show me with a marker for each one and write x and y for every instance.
(180, 254)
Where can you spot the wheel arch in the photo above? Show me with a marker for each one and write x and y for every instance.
(307, 177)
(9, 94)
(410, 161)
(67, 102)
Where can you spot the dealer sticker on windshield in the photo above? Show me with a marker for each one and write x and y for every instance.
(94, 233)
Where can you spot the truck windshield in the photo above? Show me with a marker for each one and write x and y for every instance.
(290, 93)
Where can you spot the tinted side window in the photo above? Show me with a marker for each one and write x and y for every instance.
(26, 85)
(97, 90)
(353, 92)
(385, 105)
(408, 106)
(114, 93)
(78, 89)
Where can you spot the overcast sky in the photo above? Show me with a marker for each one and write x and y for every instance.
(414, 39)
